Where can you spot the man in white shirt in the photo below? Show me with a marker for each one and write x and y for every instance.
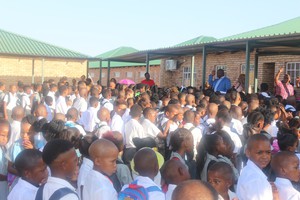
(253, 183)
(72, 116)
(117, 123)
(80, 103)
(61, 157)
(61, 104)
(89, 117)
(33, 171)
(106, 93)
(10, 101)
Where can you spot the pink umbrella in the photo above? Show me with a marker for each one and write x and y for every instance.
(126, 82)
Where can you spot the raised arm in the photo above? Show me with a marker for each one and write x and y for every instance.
(276, 79)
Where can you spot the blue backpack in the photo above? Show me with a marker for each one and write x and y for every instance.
(137, 192)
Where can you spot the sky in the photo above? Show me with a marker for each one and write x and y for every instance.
(93, 27)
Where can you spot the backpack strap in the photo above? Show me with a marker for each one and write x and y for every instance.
(39, 194)
(153, 189)
(58, 194)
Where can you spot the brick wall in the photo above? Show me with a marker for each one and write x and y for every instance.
(13, 69)
(135, 73)
(233, 62)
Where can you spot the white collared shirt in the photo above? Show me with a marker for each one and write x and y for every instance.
(133, 129)
(54, 184)
(235, 138)
(79, 127)
(197, 135)
(11, 101)
(107, 104)
(169, 193)
(25, 101)
(80, 104)
(237, 125)
(61, 105)
(15, 132)
(253, 184)
(85, 168)
(102, 128)
(117, 123)
(98, 186)
(52, 94)
(89, 119)
(286, 189)
(231, 195)
(206, 125)
(150, 129)
(23, 190)
(147, 182)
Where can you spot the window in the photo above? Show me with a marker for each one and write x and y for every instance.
(142, 74)
(117, 74)
(224, 67)
(103, 75)
(129, 74)
(293, 69)
(186, 79)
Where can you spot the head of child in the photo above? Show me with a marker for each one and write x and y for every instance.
(61, 157)
(4, 132)
(27, 128)
(116, 138)
(120, 107)
(236, 112)
(41, 111)
(179, 116)
(17, 113)
(2, 86)
(258, 150)
(94, 101)
(136, 111)
(194, 190)
(287, 141)
(189, 117)
(223, 118)
(72, 114)
(13, 89)
(146, 163)
(27, 89)
(49, 100)
(227, 141)
(171, 111)
(285, 164)
(71, 134)
(104, 154)
(31, 167)
(85, 143)
(182, 141)
(130, 102)
(212, 110)
(63, 90)
(174, 172)
(104, 115)
(150, 114)
(220, 176)
(190, 99)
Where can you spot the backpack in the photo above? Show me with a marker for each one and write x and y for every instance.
(137, 192)
(58, 194)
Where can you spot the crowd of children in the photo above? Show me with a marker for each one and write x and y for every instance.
(86, 141)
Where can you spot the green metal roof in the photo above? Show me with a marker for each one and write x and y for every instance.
(14, 44)
(291, 26)
(119, 52)
(197, 40)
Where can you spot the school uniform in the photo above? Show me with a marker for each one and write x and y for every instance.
(50, 112)
(209, 158)
(206, 125)
(172, 128)
(133, 129)
(235, 138)
(150, 129)
(197, 135)
(176, 156)
(170, 191)
(190, 107)
(85, 168)
(286, 189)
(147, 182)
(107, 104)
(15, 127)
(53, 184)
(123, 172)
(232, 196)
(52, 94)
(97, 186)
(61, 105)
(273, 129)
(11, 102)
(126, 116)
(3, 171)
(25, 101)
(80, 104)
(236, 126)
(15, 149)
(72, 124)
(23, 190)
(89, 119)
(117, 124)
(253, 184)
(101, 128)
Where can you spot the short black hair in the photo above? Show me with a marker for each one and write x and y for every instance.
(54, 148)
(136, 111)
(26, 160)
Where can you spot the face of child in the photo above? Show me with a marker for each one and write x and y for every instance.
(70, 163)
(108, 164)
(38, 174)
(172, 114)
(259, 153)
(197, 120)
(218, 181)
(292, 169)
(152, 117)
(26, 131)
(121, 109)
(4, 130)
(221, 147)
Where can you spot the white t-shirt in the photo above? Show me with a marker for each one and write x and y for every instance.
(286, 189)
(133, 129)
(61, 105)
(80, 104)
(23, 190)
(89, 119)
(85, 168)
(54, 184)
(117, 123)
(150, 129)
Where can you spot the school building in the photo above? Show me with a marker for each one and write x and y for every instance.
(32, 61)
(122, 70)
(259, 54)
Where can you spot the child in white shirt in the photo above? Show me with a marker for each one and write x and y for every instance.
(4, 137)
(285, 164)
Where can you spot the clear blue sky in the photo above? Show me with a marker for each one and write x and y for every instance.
(95, 26)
